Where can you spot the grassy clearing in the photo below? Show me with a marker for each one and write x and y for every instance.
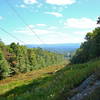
(53, 86)
(24, 79)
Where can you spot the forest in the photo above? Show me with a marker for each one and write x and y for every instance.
(15, 58)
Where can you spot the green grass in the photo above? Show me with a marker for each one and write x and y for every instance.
(24, 79)
(52, 86)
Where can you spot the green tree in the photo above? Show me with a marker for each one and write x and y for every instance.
(4, 67)
(90, 49)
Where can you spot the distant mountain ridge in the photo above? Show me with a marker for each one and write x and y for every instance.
(60, 48)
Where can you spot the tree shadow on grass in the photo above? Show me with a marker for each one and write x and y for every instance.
(26, 88)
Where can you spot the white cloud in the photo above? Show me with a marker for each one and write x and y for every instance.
(52, 28)
(81, 32)
(31, 26)
(1, 17)
(30, 1)
(27, 31)
(51, 34)
(54, 14)
(82, 23)
(22, 6)
(64, 38)
(41, 25)
(61, 2)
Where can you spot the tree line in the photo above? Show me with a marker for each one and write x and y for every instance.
(90, 49)
(15, 58)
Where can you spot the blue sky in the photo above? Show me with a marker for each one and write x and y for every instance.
(54, 21)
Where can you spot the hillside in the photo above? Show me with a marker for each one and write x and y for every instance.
(52, 86)
(26, 78)
(15, 59)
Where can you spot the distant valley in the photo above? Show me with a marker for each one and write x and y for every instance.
(59, 48)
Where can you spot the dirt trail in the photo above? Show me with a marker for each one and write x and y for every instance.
(33, 74)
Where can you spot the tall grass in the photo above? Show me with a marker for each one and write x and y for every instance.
(53, 86)
(24, 79)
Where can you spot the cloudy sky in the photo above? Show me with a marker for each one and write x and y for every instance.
(47, 21)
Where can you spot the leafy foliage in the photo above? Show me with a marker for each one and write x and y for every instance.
(20, 59)
(90, 49)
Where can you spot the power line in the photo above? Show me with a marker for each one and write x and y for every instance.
(2, 29)
(19, 16)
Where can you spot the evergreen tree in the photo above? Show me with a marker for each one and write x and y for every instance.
(22, 59)
(4, 67)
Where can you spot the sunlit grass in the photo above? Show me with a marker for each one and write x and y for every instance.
(24, 79)
(52, 86)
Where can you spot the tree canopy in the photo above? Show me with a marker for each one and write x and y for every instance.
(15, 58)
(90, 49)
